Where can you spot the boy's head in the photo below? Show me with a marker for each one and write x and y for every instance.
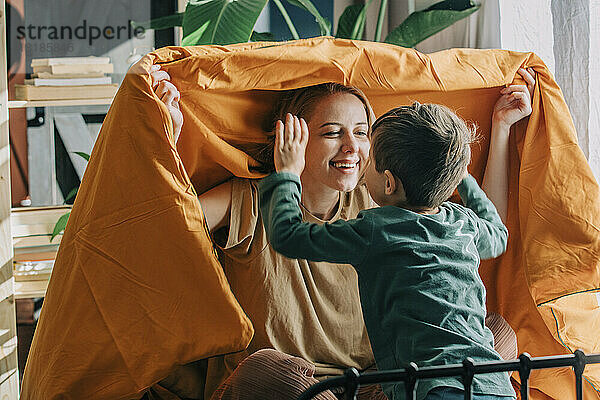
(419, 154)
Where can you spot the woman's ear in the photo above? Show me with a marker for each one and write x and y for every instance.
(391, 183)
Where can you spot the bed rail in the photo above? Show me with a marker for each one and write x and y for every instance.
(410, 375)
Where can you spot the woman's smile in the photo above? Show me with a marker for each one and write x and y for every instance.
(346, 167)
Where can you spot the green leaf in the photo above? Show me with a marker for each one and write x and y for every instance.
(456, 5)
(351, 24)
(166, 22)
(83, 155)
(220, 21)
(380, 17)
(71, 194)
(422, 24)
(262, 37)
(60, 225)
(307, 5)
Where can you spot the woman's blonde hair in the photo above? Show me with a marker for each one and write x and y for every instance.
(302, 102)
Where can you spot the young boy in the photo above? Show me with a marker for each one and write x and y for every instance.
(417, 256)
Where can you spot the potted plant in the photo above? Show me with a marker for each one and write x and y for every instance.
(227, 22)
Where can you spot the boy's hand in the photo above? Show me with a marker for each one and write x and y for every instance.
(168, 94)
(514, 103)
(290, 144)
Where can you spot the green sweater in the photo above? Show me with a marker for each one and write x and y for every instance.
(421, 294)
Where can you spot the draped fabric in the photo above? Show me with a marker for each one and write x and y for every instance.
(137, 289)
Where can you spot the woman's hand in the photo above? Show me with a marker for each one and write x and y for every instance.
(168, 94)
(290, 144)
(514, 103)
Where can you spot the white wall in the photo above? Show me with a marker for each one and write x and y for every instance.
(527, 26)
(593, 134)
(480, 30)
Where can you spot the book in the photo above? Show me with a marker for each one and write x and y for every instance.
(36, 241)
(20, 216)
(29, 92)
(74, 69)
(30, 289)
(35, 254)
(106, 80)
(69, 60)
(50, 75)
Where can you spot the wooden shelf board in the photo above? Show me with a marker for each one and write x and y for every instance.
(57, 103)
(30, 289)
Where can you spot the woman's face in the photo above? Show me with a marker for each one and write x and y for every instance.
(338, 145)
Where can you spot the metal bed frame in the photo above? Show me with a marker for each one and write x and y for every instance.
(410, 375)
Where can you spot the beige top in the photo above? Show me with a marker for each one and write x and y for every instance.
(303, 308)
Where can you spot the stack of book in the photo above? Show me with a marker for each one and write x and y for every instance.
(34, 253)
(68, 78)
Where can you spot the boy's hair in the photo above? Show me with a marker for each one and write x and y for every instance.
(427, 147)
(302, 102)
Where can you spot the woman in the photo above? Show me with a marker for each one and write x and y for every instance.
(310, 310)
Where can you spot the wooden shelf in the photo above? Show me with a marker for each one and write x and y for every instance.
(30, 289)
(58, 103)
(31, 227)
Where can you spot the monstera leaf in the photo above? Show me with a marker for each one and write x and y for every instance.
(422, 24)
(220, 21)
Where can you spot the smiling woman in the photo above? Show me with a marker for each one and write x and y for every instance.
(299, 307)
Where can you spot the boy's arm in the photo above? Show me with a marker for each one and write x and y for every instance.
(338, 242)
(493, 235)
(495, 178)
(513, 105)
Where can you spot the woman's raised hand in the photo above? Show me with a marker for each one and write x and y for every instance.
(514, 103)
(168, 94)
(291, 138)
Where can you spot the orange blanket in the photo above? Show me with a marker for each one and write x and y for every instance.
(137, 289)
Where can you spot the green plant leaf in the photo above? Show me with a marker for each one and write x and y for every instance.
(307, 5)
(422, 24)
(71, 194)
(60, 225)
(220, 21)
(380, 17)
(83, 155)
(262, 37)
(165, 22)
(456, 5)
(351, 24)
(287, 19)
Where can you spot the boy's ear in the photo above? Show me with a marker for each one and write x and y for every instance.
(391, 183)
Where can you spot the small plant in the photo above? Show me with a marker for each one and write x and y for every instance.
(61, 224)
(227, 22)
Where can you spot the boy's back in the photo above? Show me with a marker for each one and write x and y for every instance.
(422, 297)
